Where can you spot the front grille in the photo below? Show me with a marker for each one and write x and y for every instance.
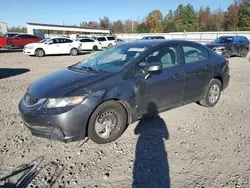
(30, 100)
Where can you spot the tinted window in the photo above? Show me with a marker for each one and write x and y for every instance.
(62, 40)
(194, 53)
(32, 37)
(222, 40)
(111, 38)
(101, 39)
(10, 35)
(22, 36)
(86, 40)
(159, 37)
(167, 56)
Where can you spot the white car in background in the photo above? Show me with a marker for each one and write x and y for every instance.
(57, 45)
(106, 41)
(90, 44)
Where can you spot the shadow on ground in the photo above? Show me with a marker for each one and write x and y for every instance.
(151, 167)
(10, 50)
(25, 174)
(8, 72)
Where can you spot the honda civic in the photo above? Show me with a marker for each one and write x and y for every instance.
(99, 97)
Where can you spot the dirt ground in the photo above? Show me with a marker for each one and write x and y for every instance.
(191, 146)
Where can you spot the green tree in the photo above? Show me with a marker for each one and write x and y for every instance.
(118, 27)
(244, 12)
(105, 22)
(232, 16)
(17, 29)
(143, 28)
(155, 21)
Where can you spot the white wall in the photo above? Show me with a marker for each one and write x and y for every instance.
(202, 37)
(3, 27)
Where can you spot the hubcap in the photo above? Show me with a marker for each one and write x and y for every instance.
(214, 93)
(40, 53)
(105, 124)
(74, 52)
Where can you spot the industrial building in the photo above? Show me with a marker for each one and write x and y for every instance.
(50, 30)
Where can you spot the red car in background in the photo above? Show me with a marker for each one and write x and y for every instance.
(18, 41)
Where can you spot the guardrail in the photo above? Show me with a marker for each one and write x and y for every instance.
(202, 37)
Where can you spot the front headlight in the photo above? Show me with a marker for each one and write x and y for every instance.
(63, 102)
(30, 47)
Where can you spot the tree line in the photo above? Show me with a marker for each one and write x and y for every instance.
(183, 19)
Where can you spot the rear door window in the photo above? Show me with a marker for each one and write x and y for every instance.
(111, 38)
(86, 40)
(101, 39)
(193, 53)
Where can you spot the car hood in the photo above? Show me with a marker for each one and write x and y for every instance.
(212, 45)
(60, 83)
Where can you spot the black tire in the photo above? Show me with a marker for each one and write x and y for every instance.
(120, 117)
(227, 54)
(39, 52)
(110, 45)
(95, 48)
(205, 101)
(244, 53)
(74, 52)
(10, 45)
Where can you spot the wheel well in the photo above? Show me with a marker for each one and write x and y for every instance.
(40, 49)
(219, 78)
(124, 105)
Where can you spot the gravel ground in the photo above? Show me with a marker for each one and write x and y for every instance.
(191, 146)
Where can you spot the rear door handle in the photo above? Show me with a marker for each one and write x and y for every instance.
(178, 75)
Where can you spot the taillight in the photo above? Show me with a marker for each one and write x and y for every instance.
(227, 61)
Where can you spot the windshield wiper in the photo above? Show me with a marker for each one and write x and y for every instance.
(89, 68)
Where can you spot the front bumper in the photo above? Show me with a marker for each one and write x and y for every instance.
(28, 51)
(66, 125)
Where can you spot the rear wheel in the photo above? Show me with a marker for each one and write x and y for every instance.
(73, 51)
(107, 123)
(95, 48)
(10, 45)
(39, 53)
(110, 45)
(212, 93)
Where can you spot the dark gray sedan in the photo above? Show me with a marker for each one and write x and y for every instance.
(101, 96)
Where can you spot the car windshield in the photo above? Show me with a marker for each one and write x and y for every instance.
(111, 60)
(224, 40)
(43, 41)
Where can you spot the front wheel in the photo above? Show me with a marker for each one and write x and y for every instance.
(244, 53)
(74, 52)
(39, 53)
(110, 45)
(107, 123)
(212, 93)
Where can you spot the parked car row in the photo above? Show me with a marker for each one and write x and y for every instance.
(13, 40)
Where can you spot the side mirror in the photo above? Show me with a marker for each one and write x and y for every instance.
(154, 67)
(49, 42)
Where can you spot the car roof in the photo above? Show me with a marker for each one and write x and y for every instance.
(150, 43)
